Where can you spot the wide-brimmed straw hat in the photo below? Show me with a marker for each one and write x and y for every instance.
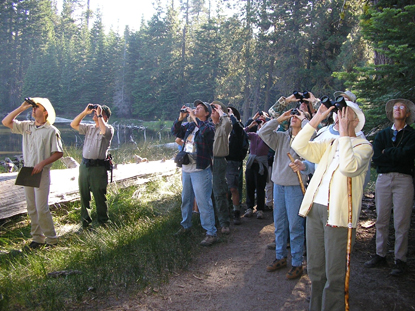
(48, 106)
(410, 105)
(360, 115)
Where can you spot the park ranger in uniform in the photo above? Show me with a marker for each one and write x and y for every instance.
(92, 171)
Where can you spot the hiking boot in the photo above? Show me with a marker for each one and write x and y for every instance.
(272, 246)
(208, 240)
(182, 231)
(277, 264)
(376, 261)
(33, 245)
(236, 218)
(259, 215)
(398, 268)
(295, 272)
(225, 230)
(249, 212)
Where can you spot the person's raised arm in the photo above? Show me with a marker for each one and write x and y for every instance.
(75, 122)
(8, 120)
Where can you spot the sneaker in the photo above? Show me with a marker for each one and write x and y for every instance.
(272, 246)
(249, 212)
(225, 230)
(295, 272)
(33, 245)
(376, 261)
(277, 264)
(182, 231)
(236, 218)
(398, 268)
(208, 240)
(259, 215)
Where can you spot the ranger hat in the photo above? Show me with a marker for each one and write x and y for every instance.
(48, 106)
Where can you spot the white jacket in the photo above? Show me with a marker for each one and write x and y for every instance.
(354, 160)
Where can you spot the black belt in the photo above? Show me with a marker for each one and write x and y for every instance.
(93, 162)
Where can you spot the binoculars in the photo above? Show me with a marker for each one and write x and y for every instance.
(338, 104)
(301, 96)
(31, 102)
(92, 106)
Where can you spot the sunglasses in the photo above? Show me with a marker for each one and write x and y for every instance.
(399, 107)
(395, 133)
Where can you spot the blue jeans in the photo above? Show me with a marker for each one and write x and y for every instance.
(198, 184)
(287, 201)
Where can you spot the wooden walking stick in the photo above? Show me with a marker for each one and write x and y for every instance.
(298, 174)
(349, 242)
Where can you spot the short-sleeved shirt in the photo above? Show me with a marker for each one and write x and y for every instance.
(96, 145)
(39, 142)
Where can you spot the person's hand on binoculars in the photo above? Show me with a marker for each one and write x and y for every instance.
(291, 99)
(285, 116)
(300, 115)
(183, 112)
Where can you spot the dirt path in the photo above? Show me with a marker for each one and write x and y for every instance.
(231, 276)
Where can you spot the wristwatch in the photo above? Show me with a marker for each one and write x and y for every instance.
(99, 116)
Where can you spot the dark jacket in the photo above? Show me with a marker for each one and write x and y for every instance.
(397, 156)
(236, 141)
(203, 139)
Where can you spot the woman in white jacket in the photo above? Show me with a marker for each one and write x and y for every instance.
(325, 202)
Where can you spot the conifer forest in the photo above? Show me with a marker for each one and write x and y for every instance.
(196, 49)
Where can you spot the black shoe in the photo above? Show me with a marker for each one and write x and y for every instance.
(236, 218)
(399, 268)
(376, 261)
(33, 245)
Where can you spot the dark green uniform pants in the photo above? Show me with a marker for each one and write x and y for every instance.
(93, 179)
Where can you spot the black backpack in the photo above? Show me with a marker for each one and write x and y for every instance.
(239, 144)
(245, 146)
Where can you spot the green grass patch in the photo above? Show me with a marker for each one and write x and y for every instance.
(138, 249)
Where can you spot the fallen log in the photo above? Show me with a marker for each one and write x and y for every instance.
(64, 184)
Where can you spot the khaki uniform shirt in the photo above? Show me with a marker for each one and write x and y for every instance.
(39, 143)
(96, 145)
(221, 142)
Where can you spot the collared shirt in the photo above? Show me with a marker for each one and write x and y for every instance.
(96, 145)
(39, 142)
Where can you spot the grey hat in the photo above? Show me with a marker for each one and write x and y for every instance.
(207, 106)
(222, 105)
(410, 105)
(349, 94)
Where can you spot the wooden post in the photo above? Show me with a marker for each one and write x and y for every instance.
(349, 242)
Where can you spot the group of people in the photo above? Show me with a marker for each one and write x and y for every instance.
(333, 161)
(42, 145)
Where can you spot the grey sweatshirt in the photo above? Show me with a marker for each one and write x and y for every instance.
(282, 174)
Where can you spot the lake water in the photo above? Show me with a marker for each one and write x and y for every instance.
(11, 144)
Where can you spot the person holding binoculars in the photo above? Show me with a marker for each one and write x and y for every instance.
(93, 176)
(42, 146)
